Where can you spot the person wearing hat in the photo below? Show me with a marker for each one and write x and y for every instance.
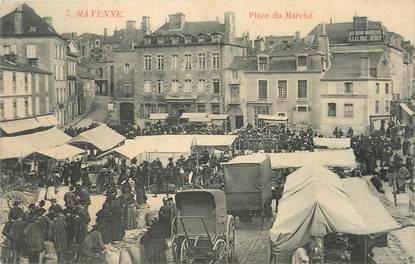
(16, 211)
(54, 207)
(35, 235)
(13, 231)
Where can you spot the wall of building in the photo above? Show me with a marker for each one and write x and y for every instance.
(288, 105)
(363, 99)
(41, 94)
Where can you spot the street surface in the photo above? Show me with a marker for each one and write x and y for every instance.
(98, 112)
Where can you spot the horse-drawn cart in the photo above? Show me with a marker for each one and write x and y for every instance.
(202, 230)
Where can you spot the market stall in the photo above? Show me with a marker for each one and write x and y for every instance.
(331, 143)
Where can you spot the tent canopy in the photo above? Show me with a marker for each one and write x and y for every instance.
(407, 109)
(332, 143)
(196, 117)
(170, 144)
(15, 126)
(61, 152)
(14, 147)
(218, 117)
(102, 137)
(344, 158)
(273, 118)
(374, 215)
(319, 208)
(159, 116)
(48, 120)
(316, 209)
(313, 172)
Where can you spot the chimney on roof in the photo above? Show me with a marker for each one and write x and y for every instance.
(297, 35)
(364, 67)
(11, 57)
(359, 22)
(105, 32)
(130, 24)
(145, 25)
(259, 44)
(323, 45)
(49, 20)
(230, 27)
(176, 21)
(18, 20)
(74, 35)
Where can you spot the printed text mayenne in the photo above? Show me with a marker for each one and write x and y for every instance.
(94, 13)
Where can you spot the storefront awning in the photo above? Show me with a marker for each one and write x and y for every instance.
(19, 125)
(161, 116)
(273, 118)
(218, 117)
(407, 109)
(196, 117)
(48, 120)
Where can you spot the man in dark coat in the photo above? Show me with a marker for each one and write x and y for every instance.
(35, 235)
(13, 231)
(70, 198)
(59, 238)
(92, 247)
(16, 212)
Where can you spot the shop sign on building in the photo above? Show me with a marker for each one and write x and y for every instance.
(365, 35)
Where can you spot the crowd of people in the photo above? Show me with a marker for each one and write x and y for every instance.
(75, 130)
(28, 231)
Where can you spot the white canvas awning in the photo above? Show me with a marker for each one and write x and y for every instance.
(14, 147)
(407, 109)
(48, 120)
(61, 152)
(215, 117)
(15, 126)
(214, 140)
(46, 139)
(196, 117)
(332, 143)
(102, 137)
(273, 118)
(159, 116)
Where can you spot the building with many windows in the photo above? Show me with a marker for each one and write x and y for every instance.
(279, 83)
(177, 68)
(26, 34)
(355, 92)
(24, 89)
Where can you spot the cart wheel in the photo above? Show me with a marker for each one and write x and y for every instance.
(173, 230)
(175, 247)
(220, 250)
(230, 237)
(184, 252)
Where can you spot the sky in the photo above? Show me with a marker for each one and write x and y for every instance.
(259, 17)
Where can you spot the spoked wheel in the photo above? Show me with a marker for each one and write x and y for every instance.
(175, 248)
(173, 229)
(221, 252)
(230, 237)
(184, 252)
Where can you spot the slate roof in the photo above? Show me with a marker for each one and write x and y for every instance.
(209, 27)
(136, 36)
(338, 33)
(282, 58)
(29, 20)
(19, 66)
(347, 65)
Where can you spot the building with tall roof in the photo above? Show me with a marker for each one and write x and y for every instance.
(363, 36)
(176, 68)
(279, 84)
(26, 34)
(23, 89)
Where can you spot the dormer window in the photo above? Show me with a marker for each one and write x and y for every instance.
(216, 38)
(97, 43)
(188, 39)
(147, 41)
(32, 29)
(200, 39)
(160, 40)
(174, 40)
(262, 63)
(302, 63)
